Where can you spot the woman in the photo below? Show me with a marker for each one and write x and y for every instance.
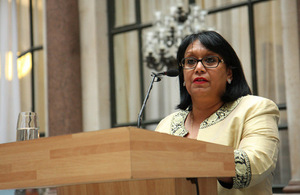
(217, 106)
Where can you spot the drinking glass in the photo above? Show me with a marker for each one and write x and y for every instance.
(27, 126)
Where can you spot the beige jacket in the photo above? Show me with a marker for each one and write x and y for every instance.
(249, 125)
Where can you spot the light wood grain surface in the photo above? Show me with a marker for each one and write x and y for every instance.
(120, 154)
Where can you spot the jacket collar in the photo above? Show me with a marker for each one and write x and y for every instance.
(177, 123)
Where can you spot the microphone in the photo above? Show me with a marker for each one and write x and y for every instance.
(170, 73)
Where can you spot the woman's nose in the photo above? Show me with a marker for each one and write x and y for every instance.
(199, 67)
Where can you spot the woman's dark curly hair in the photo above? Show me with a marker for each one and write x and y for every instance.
(214, 42)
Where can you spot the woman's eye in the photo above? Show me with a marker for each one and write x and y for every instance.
(210, 60)
(191, 61)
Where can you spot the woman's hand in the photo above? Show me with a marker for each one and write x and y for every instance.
(226, 182)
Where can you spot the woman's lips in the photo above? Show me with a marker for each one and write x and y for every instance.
(200, 80)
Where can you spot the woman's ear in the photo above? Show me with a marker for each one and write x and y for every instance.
(229, 75)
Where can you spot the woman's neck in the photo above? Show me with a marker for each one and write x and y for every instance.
(201, 111)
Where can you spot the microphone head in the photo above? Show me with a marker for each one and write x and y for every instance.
(170, 73)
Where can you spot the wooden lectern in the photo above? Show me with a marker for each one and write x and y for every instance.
(124, 160)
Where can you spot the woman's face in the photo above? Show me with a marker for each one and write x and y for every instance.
(205, 83)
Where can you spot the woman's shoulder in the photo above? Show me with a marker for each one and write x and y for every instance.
(258, 103)
(253, 100)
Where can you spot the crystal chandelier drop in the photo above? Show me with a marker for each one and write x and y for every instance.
(162, 42)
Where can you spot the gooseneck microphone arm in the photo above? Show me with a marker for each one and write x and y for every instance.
(171, 73)
(155, 76)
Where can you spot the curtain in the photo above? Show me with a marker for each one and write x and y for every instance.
(9, 82)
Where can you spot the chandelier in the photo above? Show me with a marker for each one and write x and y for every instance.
(167, 33)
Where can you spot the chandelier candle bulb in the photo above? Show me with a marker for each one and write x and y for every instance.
(167, 33)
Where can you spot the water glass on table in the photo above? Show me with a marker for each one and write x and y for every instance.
(27, 126)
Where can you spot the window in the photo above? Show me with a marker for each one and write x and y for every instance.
(31, 58)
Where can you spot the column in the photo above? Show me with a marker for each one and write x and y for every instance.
(63, 65)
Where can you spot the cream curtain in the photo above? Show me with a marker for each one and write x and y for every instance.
(126, 65)
(9, 85)
(127, 77)
(290, 56)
